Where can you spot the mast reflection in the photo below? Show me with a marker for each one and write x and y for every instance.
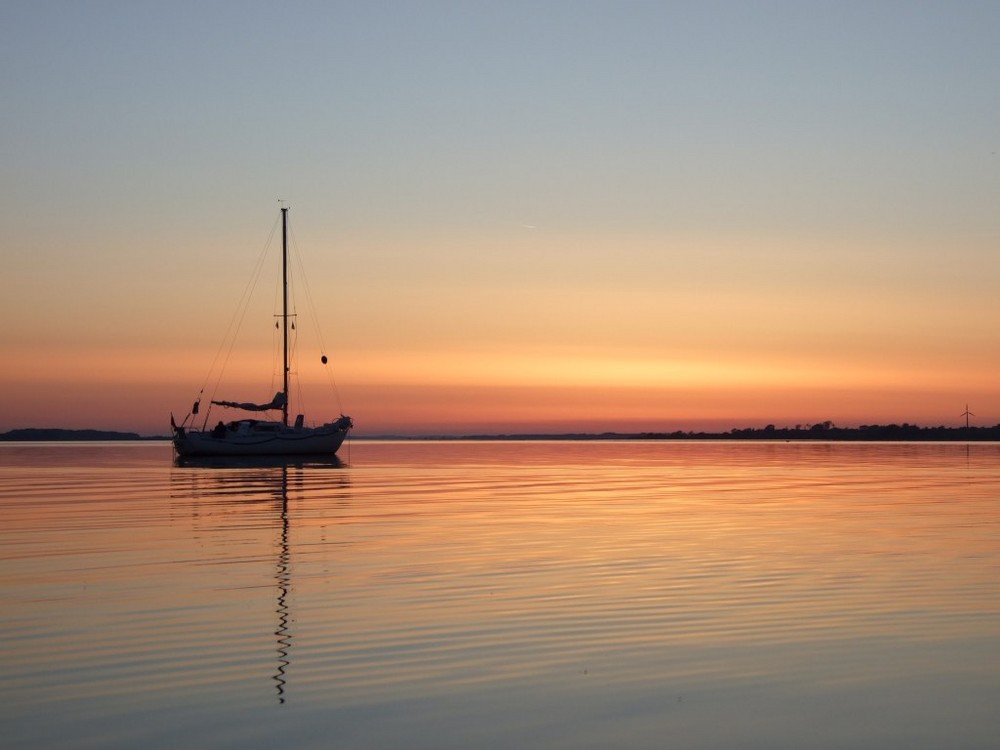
(283, 579)
(242, 484)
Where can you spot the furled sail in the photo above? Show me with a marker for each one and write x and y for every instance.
(278, 402)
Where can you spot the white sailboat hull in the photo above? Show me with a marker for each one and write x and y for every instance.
(286, 441)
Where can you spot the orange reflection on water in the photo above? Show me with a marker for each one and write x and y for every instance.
(503, 577)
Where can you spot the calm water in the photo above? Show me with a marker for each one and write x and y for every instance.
(503, 595)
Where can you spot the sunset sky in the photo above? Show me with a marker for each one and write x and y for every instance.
(517, 216)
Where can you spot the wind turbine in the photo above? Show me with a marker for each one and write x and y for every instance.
(967, 414)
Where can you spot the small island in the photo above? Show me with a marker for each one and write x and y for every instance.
(51, 434)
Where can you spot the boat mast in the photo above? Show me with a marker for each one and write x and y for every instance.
(284, 312)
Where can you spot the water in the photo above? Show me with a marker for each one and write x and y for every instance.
(501, 595)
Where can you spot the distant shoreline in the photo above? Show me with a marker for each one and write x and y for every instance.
(44, 434)
(824, 431)
(884, 433)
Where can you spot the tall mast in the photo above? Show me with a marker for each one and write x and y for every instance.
(284, 312)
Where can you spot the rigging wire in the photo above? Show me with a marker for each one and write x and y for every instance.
(234, 327)
(315, 318)
(275, 352)
(236, 323)
(293, 337)
(293, 369)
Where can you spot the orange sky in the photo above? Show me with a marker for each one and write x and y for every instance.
(667, 219)
(435, 355)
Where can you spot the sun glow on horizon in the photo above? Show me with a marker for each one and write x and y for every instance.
(447, 392)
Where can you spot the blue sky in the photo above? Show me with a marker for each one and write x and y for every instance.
(479, 112)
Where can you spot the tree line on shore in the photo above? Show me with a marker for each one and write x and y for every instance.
(829, 431)
(821, 431)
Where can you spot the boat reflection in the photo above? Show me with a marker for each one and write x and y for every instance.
(259, 462)
(221, 491)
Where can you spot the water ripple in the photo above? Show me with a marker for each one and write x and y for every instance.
(498, 577)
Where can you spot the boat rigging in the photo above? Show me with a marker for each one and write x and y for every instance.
(253, 437)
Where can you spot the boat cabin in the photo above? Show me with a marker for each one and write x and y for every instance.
(243, 427)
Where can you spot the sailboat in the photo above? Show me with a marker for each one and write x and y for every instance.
(262, 437)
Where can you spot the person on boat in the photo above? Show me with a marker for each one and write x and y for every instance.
(219, 431)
